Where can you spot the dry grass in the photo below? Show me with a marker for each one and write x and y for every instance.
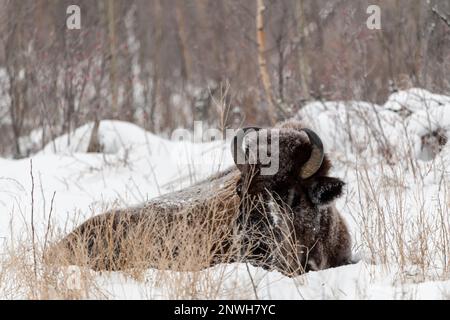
(402, 224)
(400, 205)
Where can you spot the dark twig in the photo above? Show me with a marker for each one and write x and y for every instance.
(441, 16)
(255, 291)
(32, 219)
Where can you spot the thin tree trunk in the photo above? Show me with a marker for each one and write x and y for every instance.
(302, 59)
(156, 58)
(262, 63)
(183, 40)
(127, 33)
(112, 48)
(17, 86)
(94, 143)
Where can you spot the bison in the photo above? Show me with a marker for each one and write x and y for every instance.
(285, 221)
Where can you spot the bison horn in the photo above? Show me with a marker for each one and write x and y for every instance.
(236, 145)
(315, 160)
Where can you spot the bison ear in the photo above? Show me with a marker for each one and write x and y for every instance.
(324, 190)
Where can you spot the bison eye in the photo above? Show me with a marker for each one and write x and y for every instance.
(324, 190)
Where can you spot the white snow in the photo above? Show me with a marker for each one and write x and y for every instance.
(414, 100)
(137, 165)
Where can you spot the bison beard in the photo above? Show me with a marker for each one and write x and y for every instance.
(286, 221)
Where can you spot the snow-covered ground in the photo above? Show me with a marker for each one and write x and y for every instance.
(395, 203)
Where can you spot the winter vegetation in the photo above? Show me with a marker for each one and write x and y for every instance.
(86, 127)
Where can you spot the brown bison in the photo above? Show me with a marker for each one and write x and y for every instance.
(285, 221)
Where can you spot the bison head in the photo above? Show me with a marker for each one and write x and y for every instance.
(302, 169)
(288, 216)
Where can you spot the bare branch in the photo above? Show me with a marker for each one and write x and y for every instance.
(441, 16)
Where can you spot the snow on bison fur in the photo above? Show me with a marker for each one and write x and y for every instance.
(286, 221)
